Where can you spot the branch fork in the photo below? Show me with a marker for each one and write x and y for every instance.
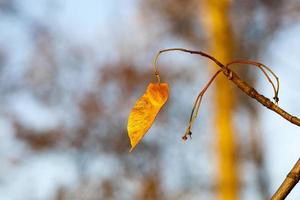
(294, 175)
(232, 76)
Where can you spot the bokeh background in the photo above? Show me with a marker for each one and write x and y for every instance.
(70, 72)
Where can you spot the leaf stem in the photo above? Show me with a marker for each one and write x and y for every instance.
(155, 61)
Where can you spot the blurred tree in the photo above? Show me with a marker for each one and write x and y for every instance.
(222, 43)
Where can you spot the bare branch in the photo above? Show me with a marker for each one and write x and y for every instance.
(231, 75)
(289, 183)
(250, 91)
(294, 175)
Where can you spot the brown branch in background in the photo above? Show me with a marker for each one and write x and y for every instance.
(289, 183)
(245, 87)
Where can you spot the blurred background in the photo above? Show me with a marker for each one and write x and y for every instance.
(70, 72)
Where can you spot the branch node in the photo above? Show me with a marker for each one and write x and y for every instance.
(230, 75)
(292, 118)
(269, 104)
(252, 92)
(294, 176)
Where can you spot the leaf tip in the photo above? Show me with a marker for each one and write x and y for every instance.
(132, 147)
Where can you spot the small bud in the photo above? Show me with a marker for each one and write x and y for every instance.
(184, 137)
(276, 99)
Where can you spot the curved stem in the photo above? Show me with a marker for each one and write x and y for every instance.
(196, 106)
(183, 50)
(262, 67)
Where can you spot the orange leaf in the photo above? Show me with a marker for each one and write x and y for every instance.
(145, 111)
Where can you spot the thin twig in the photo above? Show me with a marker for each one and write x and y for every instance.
(289, 183)
(262, 67)
(245, 87)
(183, 50)
(196, 106)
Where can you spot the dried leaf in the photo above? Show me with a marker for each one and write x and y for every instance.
(145, 111)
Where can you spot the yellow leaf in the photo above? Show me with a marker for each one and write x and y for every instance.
(145, 111)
